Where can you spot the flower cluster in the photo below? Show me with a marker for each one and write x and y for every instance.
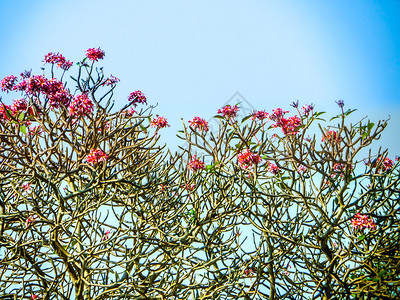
(95, 156)
(200, 123)
(111, 81)
(383, 163)
(260, 115)
(8, 83)
(362, 221)
(195, 164)
(289, 125)
(94, 54)
(301, 169)
(4, 108)
(247, 159)
(81, 106)
(137, 97)
(30, 220)
(307, 109)
(159, 122)
(332, 136)
(106, 237)
(229, 111)
(272, 168)
(250, 272)
(129, 113)
(56, 58)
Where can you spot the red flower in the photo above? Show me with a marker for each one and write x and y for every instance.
(56, 58)
(129, 113)
(260, 115)
(137, 97)
(288, 125)
(195, 164)
(273, 168)
(247, 159)
(362, 221)
(331, 135)
(159, 122)
(3, 111)
(30, 220)
(106, 237)
(200, 123)
(34, 297)
(95, 156)
(8, 83)
(111, 81)
(81, 106)
(94, 54)
(19, 105)
(229, 111)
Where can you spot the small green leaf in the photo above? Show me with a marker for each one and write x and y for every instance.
(23, 129)
(361, 237)
(21, 116)
(246, 118)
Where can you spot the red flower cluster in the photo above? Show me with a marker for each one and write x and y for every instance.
(273, 168)
(95, 156)
(195, 164)
(94, 54)
(338, 168)
(247, 159)
(8, 83)
(332, 136)
(3, 111)
(137, 97)
(129, 113)
(159, 122)
(229, 111)
(385, 163)
(56, 58)
(111, 81)
(362, 221)
(260, 115)
(200, 123)
(19, 105)
(289, 125)
(81, 106)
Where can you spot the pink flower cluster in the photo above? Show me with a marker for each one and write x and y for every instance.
(301, 169)
(247, 159)
(273, 168)
(383, 163)
(94, 54)
(307, 109)
(8, 83)
(362, 221)
(137, 97)
(30, 220)
(129, 113)
(288, 125)
(195, 164)
(111, 81)
(260, 115)
(56, 58)
(332, 136)
(95, 156)
(229, 111)
(159, 122)
(81, 106)
(200, 123)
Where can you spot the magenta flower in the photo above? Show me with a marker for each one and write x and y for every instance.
(195, 164)
(81, 106)
(260, 115)
(95, 156)
(362, 221)
(159, 122)
(19, 105)
(199, 123)
(229, 111)
(30, 220)
(3, 111)
(301, 169)
(56, 58)
(106, 237)
(129, 113)
(137, 97)
(8, 83)
(94, 54)
(332, 136)
(111, 81)
(247, 159)
(273, 168)
(307, 109)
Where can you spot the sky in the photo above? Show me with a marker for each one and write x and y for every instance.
(191, 57)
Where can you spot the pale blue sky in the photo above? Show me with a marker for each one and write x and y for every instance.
(190, 57)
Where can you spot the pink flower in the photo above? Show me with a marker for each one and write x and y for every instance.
(195, 164)
(277, 114)
(8, 83)
(130, 112)
(189, 187)
(26, 186)
(288, 125)
(137, 97)
(95, 156)
(260, 115)
(301, 169)
(229, 111)
(81, 106)
(19, 105)
(159, 122)
(94, 54)
(273, 168)
(247, 159)
(362, 221)
(200, 123)
(36, 130)
(338, 168)
(250, 272)
(56, 58)
(307, 109)
(111, 81)
(30, 220)
(4, 109)
(331, 135)
(106, 237)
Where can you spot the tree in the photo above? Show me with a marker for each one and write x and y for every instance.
(93, 208)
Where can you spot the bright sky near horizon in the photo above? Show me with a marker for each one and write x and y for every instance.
(190, 57)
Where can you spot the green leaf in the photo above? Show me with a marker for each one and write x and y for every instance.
(23, 129)
(361, 237)
(370, 126)
(246, 118)
(349, 112)
(21, 116)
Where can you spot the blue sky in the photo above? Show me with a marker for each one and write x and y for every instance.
(190, 57)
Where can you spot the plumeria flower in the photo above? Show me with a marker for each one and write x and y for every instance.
(159, 122)
(137, 97)
(95, 156)
(362, 221)
(229, 111)
(199, 123)
(195, 164)
(30, 220)
(106, 237)
(247, 159)
(94, 54)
